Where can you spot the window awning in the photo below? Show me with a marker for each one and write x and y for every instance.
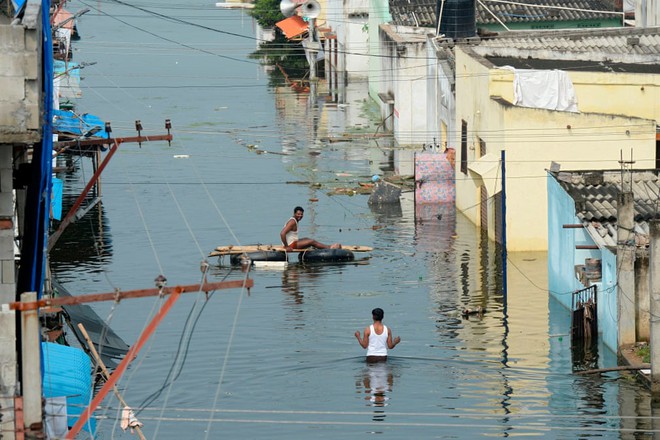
(488, 168)
(293, 26)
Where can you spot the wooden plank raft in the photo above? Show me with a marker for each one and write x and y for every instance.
(229, 250)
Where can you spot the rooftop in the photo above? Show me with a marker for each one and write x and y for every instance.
(421, 13)
(530, 11)
(625, 49)
(595, 195)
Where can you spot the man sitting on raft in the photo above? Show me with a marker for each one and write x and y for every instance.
(289, 235)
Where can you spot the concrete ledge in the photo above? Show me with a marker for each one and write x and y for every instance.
(629, 357)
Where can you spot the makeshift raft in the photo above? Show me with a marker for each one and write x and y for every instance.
(272, 253)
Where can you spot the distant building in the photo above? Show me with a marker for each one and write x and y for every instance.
(497, 15)
(21, 122)
(601, 105)
(587, 223)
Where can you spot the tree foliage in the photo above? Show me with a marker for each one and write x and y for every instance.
(267, 12)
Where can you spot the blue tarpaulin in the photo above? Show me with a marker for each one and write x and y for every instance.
(56, 201)
(67, 373)
(18, 5)
(37, 205)
(65, 121)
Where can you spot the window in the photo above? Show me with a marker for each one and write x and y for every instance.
(482, 147)
(464, 147)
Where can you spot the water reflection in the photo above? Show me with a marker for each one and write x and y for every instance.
(386, 212)
(87, 242)
(295, 276)
(376, 382)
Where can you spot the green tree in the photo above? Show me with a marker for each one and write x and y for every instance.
(267, 12)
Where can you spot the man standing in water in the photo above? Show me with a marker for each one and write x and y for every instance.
(377, 338)
(289, 234)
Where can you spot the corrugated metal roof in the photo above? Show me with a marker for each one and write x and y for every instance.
(613, 45)
(595, 194)
(530, 11)
(421, 13)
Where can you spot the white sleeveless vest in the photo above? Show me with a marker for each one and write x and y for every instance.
(377, 343)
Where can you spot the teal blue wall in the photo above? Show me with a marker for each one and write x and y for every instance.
(607, 304)
(562, 258)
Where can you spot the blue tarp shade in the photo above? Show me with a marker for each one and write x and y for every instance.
(65, 121)
(37, 203)
(18, 5)
(56, 202)
(67, 373)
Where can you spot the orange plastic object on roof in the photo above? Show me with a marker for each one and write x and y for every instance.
(293, 26)
(61, 16)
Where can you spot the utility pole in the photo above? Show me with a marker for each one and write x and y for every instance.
(31, 368)
(654, 270)
(625, 260)
(31, 340)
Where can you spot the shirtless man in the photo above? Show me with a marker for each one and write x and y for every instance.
(289, 235)
(377, 338)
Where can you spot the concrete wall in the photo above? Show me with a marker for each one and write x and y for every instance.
(647, 13)
(404, 78)
(533, 138)
(562, 257)
(8, 356)
(349, 21)
(20, 124)
(20, 83)
(379, 13)
(441, 103)
(642, 296)
(623, 94)
(607, 301)
(356, 45)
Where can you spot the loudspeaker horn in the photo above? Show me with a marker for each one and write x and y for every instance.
(288, 7)
(311, 9)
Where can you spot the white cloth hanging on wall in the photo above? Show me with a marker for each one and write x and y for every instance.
(548, 89)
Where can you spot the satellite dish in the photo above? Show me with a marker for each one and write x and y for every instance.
(288, 7)
(310, 9)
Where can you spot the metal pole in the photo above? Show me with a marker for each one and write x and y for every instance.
(31, 366)
(313, 50)
(504, 253)
(106, 373)
(654, 263)
(132, 353)
(121, 295)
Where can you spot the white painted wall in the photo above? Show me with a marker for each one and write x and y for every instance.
(404, 63)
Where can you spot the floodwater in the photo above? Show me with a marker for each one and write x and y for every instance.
(281, 361)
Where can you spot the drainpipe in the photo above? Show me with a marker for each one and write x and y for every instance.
(654, 269)
(505, 287)
(625, 262)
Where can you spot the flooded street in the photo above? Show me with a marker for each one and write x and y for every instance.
(282, 362)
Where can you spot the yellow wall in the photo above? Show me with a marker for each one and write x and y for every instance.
(624, 94)
(532, 139)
